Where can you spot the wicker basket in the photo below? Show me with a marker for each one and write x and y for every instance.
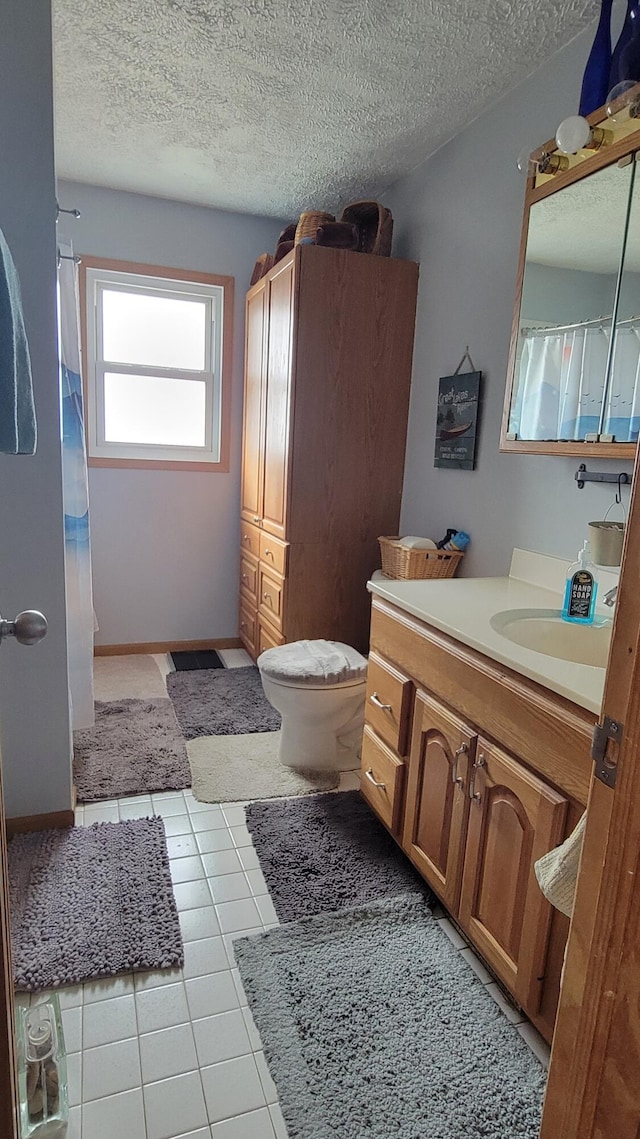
(309, 222)
(399, 562)
(261, 267)
(375, 226)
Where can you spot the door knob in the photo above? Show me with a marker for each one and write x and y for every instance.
(29, 627)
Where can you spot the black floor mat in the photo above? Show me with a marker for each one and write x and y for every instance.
(185, 662)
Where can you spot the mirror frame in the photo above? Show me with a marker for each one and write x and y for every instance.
(626, 143)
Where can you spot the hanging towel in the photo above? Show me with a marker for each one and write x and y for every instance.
(557, 871)
(17, 411)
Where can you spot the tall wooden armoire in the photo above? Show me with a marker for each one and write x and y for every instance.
(329, 343)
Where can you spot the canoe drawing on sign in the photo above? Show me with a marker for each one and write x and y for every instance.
(453, 432)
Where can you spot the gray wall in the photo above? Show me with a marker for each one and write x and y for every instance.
(34, 710)
(460, 215)
(165, 543)
(564, 296)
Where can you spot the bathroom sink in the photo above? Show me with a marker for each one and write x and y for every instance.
(544, 631)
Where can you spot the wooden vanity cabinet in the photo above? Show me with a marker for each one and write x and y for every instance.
(469, 800)
(329, 344)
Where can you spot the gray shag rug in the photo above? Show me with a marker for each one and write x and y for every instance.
(91, 902)
(135, 747)
(327, 852)
(221, 702)
(373, 1025)
(228, 769)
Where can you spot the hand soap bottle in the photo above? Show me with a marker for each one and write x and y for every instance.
(581, 590)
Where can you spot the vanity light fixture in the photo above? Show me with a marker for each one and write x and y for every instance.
(575, 133)
(530, 163)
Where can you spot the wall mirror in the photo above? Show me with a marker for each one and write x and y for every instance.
(574, 368)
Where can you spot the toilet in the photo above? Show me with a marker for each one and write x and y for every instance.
(318, 687)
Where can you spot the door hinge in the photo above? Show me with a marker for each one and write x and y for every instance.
(606, 765)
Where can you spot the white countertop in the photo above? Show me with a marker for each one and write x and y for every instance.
(463, 608)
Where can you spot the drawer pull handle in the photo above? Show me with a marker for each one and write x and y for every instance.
(375, 699)
(454, 770)
(474, 795)
(244, 577)
(267, 553)
(256, 518)
(370, 776)
(268, 598)
(246, 538)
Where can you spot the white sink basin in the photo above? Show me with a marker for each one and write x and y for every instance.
(544, 631)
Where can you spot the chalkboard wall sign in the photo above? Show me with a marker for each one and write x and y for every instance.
(457, 421)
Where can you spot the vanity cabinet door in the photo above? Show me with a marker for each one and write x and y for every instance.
(514, 818)
(437, 805)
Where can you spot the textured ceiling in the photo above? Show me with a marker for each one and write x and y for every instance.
(269, 106)
(582, 227)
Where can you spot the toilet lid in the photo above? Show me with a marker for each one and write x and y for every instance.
(313, 663)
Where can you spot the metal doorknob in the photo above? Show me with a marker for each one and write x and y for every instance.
(29, 627)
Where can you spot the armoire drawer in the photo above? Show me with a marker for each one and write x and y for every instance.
(268, 637)
(273, 552)
(249, 576)
(248, 627)
(388, 705)
(271, 597)
(382, 779)
(249, 539)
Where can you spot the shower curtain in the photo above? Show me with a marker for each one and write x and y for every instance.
(80, 615)
(561, 384)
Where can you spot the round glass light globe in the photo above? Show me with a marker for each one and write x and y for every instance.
(619, 99)
(572, 134)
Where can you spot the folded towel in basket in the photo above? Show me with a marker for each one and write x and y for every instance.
(557, 871)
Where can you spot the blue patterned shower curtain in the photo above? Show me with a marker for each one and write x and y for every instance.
(80, 615)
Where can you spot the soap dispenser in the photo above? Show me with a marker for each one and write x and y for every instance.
(581, 590)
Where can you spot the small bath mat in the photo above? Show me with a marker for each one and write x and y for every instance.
(187, 662)
(326, 853)
(134, 747)
(91, 902)
(126, 677)
(374, 1025)
(228, 769)
(221, 702)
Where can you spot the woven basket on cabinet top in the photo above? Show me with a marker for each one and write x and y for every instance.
(375, 225)
(402, 563)
(309, 222)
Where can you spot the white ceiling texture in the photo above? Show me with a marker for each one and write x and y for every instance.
(272, 106)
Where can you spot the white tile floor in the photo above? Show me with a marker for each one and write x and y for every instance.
(175, 1054)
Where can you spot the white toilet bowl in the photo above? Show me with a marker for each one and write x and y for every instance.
(318, 687)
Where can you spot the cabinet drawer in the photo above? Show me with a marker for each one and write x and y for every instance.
(249, 576)
(382, 780)
(271, 597)
(248, 623)
(388, 706)
(249, 539)
(268, 637)
(273, 553)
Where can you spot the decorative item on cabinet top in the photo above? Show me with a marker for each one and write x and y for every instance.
(364, 227)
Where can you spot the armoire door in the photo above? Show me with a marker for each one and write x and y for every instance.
(278, 401)
(254, 391)
(514, 818)
(442, 747)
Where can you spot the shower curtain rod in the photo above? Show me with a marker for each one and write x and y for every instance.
(597, 322)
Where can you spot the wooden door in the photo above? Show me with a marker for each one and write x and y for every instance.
(594, 1090)
(278, 400)
(8, 1082)
(514, 818)
(254, 392)
(436, 810)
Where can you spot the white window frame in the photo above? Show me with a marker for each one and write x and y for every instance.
(217, 293)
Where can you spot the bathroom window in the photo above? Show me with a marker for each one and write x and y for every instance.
(157, 351)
